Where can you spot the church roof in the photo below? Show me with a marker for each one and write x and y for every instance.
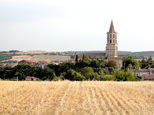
(111, 30)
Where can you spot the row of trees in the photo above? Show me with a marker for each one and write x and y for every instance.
(83, 69)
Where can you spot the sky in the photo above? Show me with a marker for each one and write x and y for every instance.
(75, 25)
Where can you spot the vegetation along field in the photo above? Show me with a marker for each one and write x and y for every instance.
(76, 98)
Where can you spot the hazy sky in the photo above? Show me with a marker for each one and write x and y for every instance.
(73, 25)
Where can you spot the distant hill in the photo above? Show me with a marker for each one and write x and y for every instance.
(136, 55)
(15, 55)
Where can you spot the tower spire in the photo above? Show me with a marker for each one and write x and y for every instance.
(111, 30)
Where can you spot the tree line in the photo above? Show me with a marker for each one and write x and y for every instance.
(83, 69)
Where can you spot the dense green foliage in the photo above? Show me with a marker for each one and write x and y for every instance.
(130, 63)
(83, 69)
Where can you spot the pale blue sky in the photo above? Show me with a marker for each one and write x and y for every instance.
(75, 25)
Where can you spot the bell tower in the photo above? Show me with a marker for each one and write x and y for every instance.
(112, 46)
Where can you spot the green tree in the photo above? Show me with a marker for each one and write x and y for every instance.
(143, 60)
(129, 60)
(63, 67)
(47, 72)
(84, 62)
(94, 64)
(88, 73)
(101, 73)
(76, 60)
(112, 63)
(53, 75)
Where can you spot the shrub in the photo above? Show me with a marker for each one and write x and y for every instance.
(107, 78)
(38, 79)
(13, 79)
(73, 75)
(87, 72)
(57, 79)
(44, 78)
(78, 77)
(124, 76)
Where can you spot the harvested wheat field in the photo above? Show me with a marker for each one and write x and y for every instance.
(76, 98)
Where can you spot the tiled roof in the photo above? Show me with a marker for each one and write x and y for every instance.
(29, 61)
(151, 69)
(141, 70)
(148, 76)
(44, 62)
(10, 64)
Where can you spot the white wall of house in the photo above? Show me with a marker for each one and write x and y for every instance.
(140, 73)
(28, 79)
(42, 66)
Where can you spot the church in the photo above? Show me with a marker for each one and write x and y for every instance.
(111, 49)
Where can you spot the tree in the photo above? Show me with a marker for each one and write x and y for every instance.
(55, 68)
(151, 62)
(101, 73)
(76, 60)
(84, 62)
(150, 58)
(53, 75)
(63, 67)
(94, 64)
(130, 60)
(1, 72)
(88, 73)
(143, 60)
(47, 72)
(112, 63)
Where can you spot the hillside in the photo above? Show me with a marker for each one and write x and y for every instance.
(60, 56)
(33, 55)
(76, 98)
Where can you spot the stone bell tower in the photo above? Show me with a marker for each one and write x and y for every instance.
(112, 46)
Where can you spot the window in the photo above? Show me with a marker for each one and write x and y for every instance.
(113, 35)
(110, 41)
(113, 41)
(110, 35)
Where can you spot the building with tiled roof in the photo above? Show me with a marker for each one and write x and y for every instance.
(31, 78)
(143, 71)
(147, 77)
(11, 64)
(42, 64)
(27, 62)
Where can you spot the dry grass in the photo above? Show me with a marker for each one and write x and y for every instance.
(37, 57)
(76, 98)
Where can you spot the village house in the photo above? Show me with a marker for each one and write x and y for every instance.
(42, 64)
(10, 65)
(147, 77)
(1, 65)
(145, 73)
(27, 62)
(31, 78)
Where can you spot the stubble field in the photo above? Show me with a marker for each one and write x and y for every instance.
(76, 98)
